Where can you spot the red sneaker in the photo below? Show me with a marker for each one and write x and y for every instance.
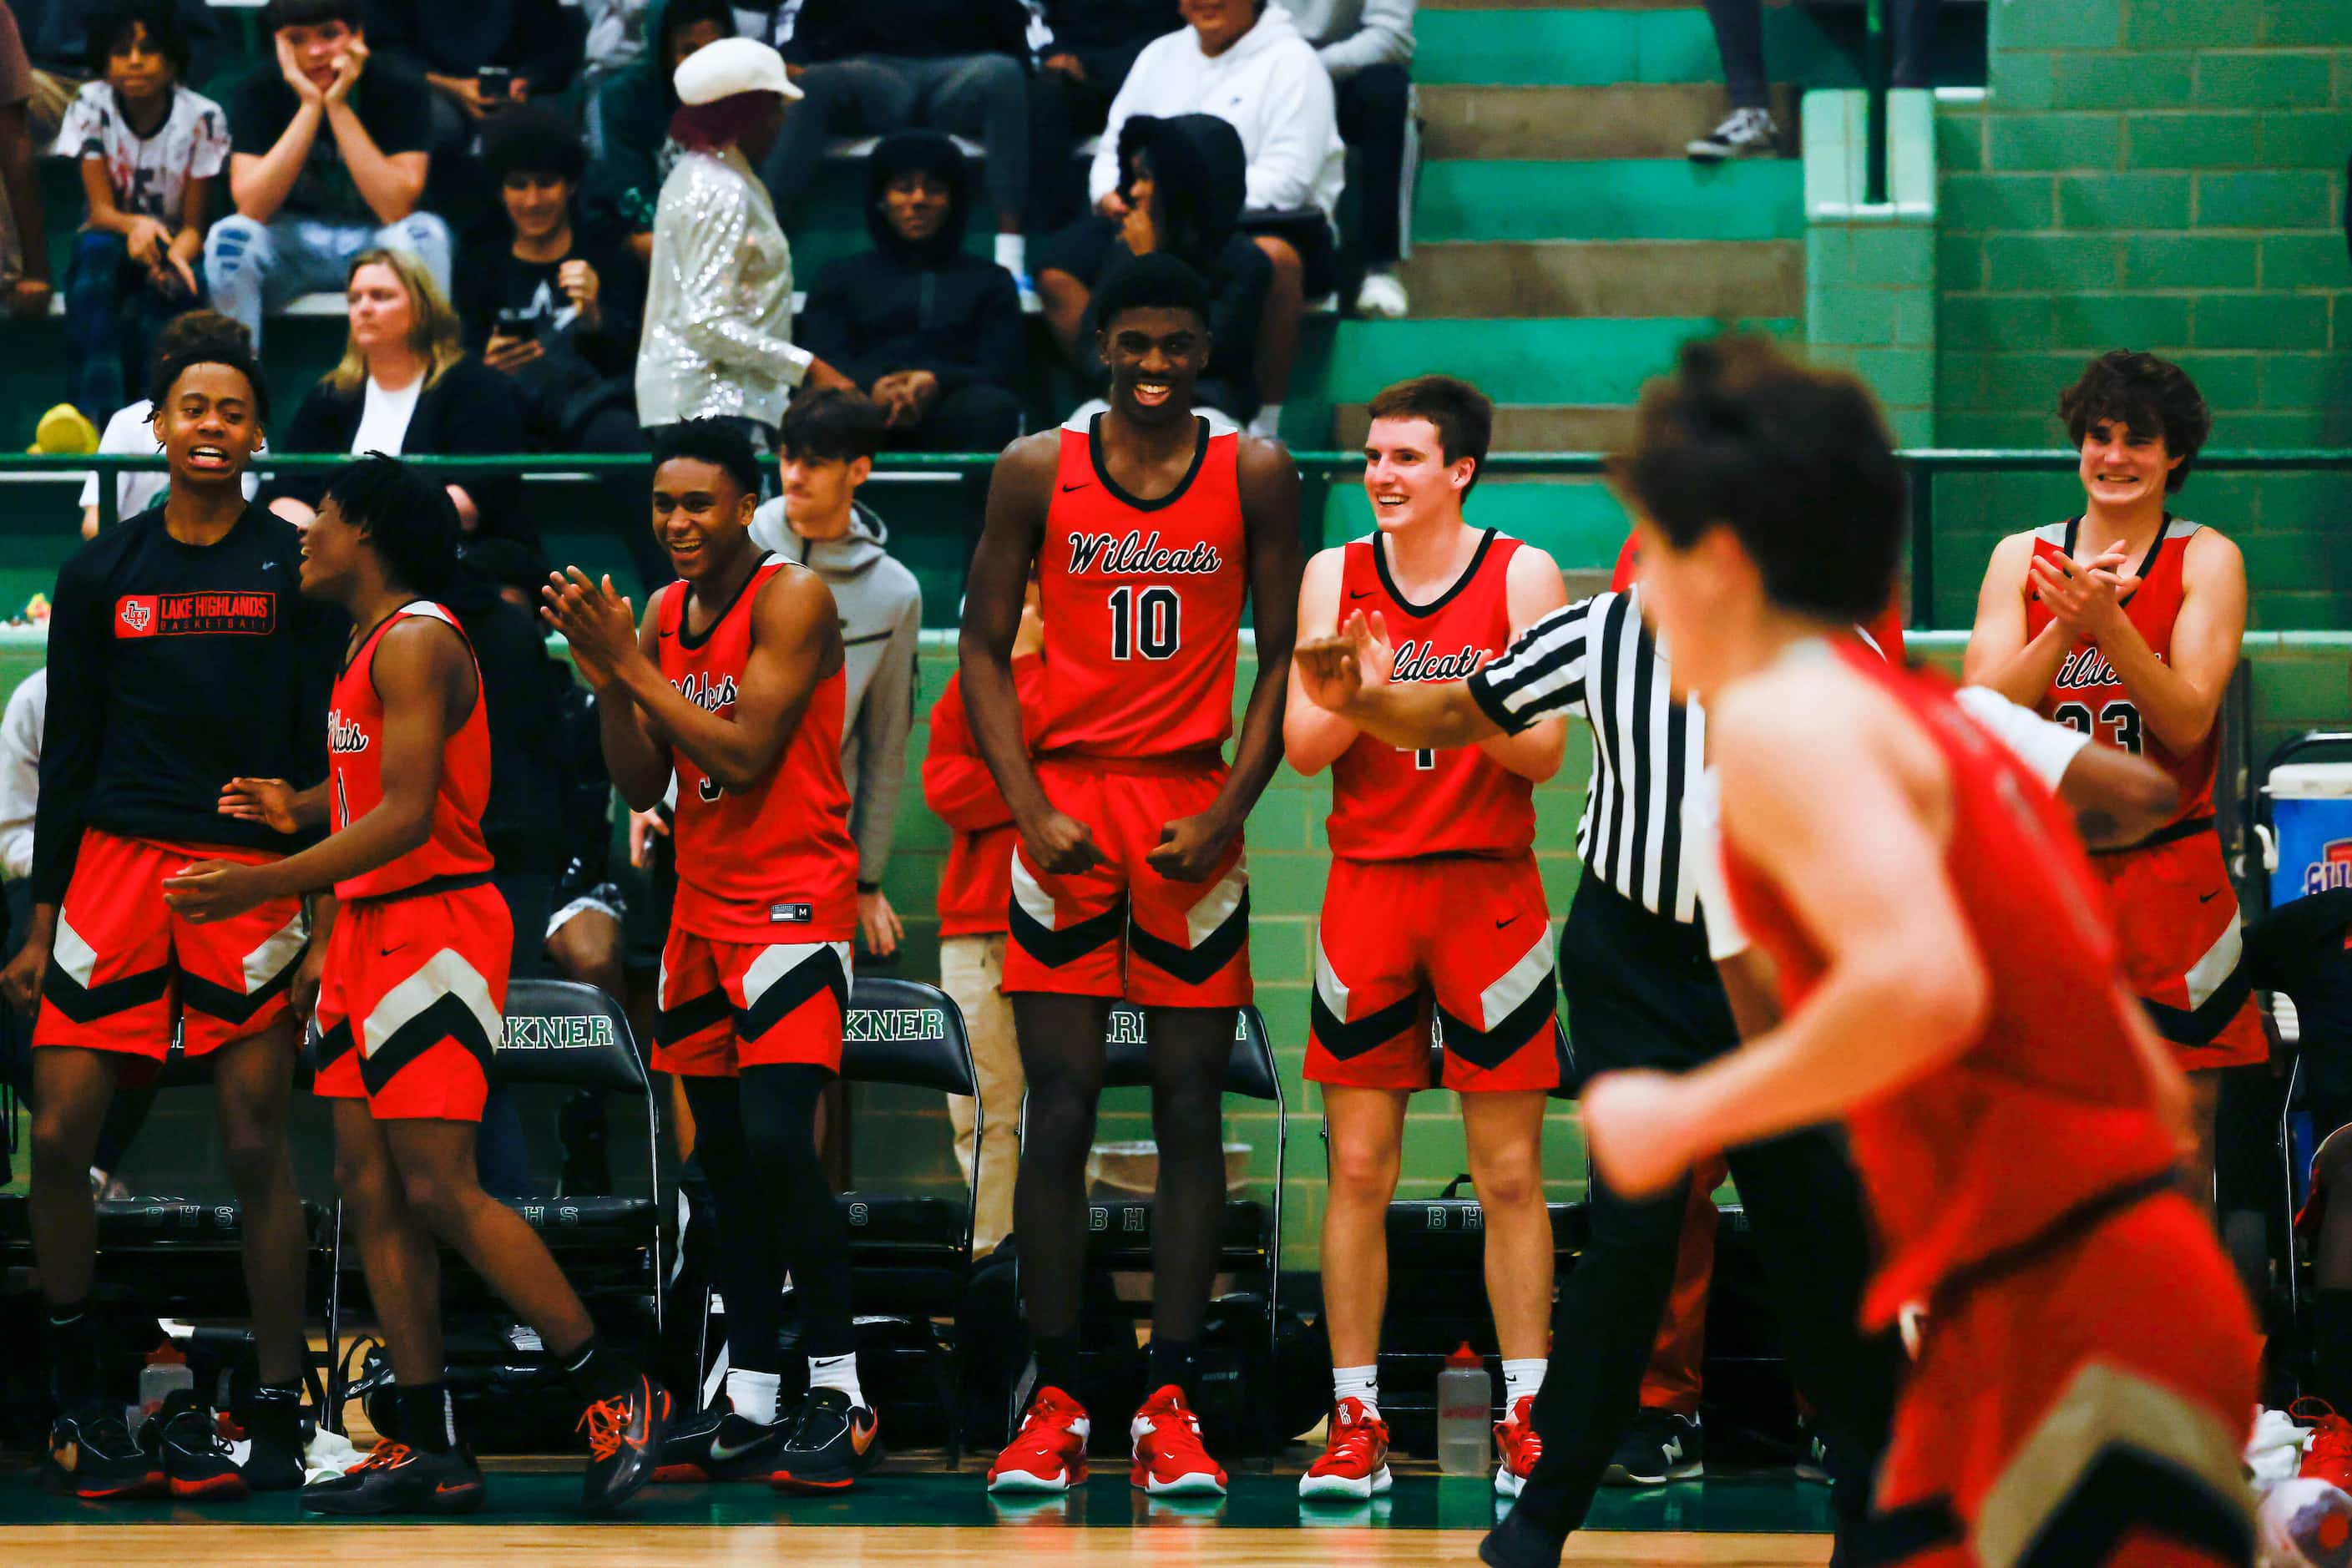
(1049, 1454)
(1355, 1462)
(1516, 1441)
(2328, 1456)
(1169, 1458)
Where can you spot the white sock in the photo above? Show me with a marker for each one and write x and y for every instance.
(836, 1372)
(1520, 1379)
(1012, 253)
(1356, 1383)
(753, 1394)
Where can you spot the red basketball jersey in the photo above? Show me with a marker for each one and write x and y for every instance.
(1389, 804)
(355, 754)
(2086, 696)
(2048, 1107)
(775, 863)
(1142, 602)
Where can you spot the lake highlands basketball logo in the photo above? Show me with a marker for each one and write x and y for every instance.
(2333, 868)
(234, 613)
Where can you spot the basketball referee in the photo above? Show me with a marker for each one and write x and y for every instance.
(1642, 992)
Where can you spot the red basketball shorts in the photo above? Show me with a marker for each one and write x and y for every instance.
(414, 1001)
(124, 965)
(1456, 940)
(1122, 929)
(2086, 1408)
(2176, 918)
(726, 1006)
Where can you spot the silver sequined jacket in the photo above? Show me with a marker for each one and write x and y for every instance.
(718, 309)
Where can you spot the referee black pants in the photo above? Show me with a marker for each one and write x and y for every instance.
(1642, 992)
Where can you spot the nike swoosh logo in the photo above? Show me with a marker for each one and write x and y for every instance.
(720, 1452)
(862, 1438)
(1087, 486)
(387, 952)
(1500, 924)
(1359, 593)
(2208, 897)
(444, 1488)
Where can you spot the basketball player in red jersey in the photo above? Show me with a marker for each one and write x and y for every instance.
(1149, 529)
(409, 993)
(1434, 907)
(2124, 623)
(734, 684)
(2084, 1362)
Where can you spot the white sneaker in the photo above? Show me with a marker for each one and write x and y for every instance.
(1381, 295)
(1750, 132)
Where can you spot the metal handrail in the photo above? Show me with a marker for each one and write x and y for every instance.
(1926, 464)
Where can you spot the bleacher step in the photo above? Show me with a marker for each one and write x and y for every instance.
(1647, 198)
(1589, 360)
(1621, 120)
(1562, 46)
(1519, 427)
(1607, 278)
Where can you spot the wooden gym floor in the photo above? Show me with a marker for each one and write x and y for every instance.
(924, 1518)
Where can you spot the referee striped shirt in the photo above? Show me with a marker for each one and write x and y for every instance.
(1596, 661)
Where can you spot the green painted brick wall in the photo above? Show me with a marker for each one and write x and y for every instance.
(2162, 175)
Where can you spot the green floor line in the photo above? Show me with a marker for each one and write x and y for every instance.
(1773, 1504)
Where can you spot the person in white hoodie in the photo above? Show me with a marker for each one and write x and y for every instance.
(825, 451)
(1245, 62)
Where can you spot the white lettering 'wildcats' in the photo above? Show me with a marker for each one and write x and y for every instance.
(1115, 557)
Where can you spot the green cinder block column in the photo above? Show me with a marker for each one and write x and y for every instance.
(1869, 268)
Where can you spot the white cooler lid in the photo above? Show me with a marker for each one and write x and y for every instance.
(2311, 781)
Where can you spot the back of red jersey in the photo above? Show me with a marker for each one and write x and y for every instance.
(1142, 604)
(1389, 804)
(774, 863)
(355, 757)
(2048, 1107)
(2086, 694)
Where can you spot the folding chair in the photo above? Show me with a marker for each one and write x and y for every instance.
(563, 1034)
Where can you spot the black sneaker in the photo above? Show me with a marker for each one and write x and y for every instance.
(92, 1455)
(270, 1465)
(832, 1444)
(273, 1457)
(1658, 1448)
(397, 1478)
(743, 1450)
(1520, 1542)
(625, 1434)
(185, 1439)
(685, 1456)
(1748, 133)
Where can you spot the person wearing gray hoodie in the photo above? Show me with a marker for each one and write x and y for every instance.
(825, 451)
(1366, 46)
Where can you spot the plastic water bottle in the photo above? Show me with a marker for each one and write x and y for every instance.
(1465, 1414)
(166, 1374)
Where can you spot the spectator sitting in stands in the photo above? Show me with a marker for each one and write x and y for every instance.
(477, 56)
(932, 333)
(327, 159)
(868, 67)
(632, 110)
(149, 150)
(57, 35)
(1088, 48)
(615, 41)
(1366, 46)
(827, 446)
(131, 430)
(719, 309)
(1183, 196)
(1245, 63)
(405, 388)
(558, 315)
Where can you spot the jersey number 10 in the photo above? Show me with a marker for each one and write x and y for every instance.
(1148, 619)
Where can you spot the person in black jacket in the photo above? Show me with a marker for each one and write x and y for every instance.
(868, 67)
(557, 312)
(932, 333)
(1092, 46)
(1186, 176)
(405, 388)
(530, 48)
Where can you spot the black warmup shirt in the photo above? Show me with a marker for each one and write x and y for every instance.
(173, 670)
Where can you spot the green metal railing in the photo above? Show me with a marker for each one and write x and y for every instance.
(1877, 71)
(971, 469)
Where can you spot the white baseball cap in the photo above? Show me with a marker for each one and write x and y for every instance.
(729, 67)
